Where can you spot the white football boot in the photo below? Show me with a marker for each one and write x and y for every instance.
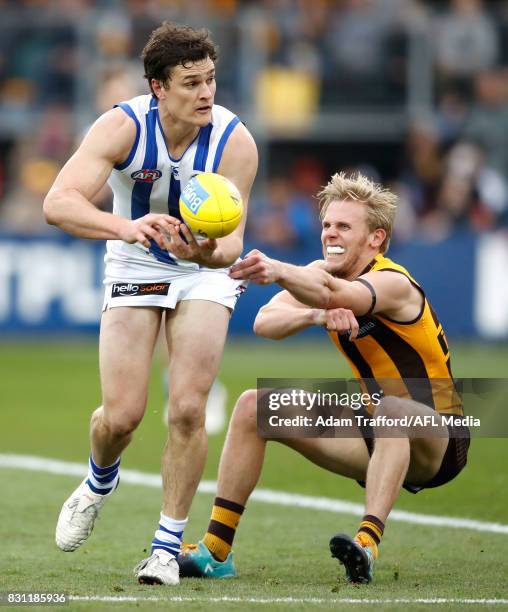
(160, 568)
(77, 517)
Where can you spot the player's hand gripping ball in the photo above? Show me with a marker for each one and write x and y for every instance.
(211, 205)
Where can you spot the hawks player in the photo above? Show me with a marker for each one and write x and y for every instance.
(393, 335)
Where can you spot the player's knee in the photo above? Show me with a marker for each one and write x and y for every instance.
(120, 425)
(187, 414)
(245, 413)
(97, 415)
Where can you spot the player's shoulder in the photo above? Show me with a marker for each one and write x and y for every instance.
(382, 263)
(127, 115)
(111, 136)
(115, 122)
(240, 153)
(386, 265)
(225, 120)
(139, 105)
(393, 279)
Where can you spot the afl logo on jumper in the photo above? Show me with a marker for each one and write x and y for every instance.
(146, 176)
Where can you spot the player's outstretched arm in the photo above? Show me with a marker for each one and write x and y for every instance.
(285, 316)
(68, 204)
(313, 286)
(308, 285)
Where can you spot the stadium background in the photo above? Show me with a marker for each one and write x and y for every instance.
(412, 93)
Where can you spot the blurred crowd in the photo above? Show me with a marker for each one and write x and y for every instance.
(63, 62)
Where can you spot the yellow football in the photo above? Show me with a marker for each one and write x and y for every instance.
(211, 205)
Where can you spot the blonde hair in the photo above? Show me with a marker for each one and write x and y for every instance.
(380, 202)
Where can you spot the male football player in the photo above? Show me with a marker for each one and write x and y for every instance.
(156, 273)
(393, 335)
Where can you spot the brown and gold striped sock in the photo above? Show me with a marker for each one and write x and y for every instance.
(221, 530)
(370, 533)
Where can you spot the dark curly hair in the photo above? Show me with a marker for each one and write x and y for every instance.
(172, 45)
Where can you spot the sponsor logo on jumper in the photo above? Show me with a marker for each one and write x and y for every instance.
(146, 175)
(194, 195)
(365, 329)
(176, 172)
(133, 289)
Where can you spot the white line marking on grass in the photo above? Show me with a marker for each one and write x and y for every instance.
(286, 600)
(279, 498)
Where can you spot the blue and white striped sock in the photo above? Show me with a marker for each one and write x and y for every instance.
(102, 480)
(169, 535)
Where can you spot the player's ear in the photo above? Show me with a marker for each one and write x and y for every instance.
(158, 89)
(377, 237)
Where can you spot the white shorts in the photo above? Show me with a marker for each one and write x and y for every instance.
(210, 285)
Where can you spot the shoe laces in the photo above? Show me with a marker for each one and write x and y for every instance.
(83, 514)
(141, 565)
(73, 503)
(187, 546)
(144, 562)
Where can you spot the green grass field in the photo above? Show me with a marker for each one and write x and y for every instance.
(47, 392)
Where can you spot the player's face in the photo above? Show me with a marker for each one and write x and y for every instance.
(190, 93)
(345, 237)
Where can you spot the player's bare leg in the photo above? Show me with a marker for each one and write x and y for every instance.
(398, 456)
(239, 471)
(196, 333)
(242, 460)
(126, 346)
(243, 453)
(127, 342)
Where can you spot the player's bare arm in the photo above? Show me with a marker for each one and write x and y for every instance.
(239, 164)
(395, 296)
(285, 316)
(308, 285)
(68, 203)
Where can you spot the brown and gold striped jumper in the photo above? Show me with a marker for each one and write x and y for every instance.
(408, 359)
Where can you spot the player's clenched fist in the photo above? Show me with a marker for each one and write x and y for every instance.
(256, 267)
(340, 320)
(150, 227)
